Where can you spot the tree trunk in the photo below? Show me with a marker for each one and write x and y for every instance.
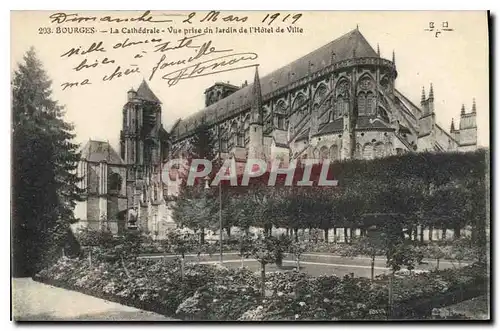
(182, 268)
(431, 232)
(352, 233)
(298, 263)
(437, 264)
(326, 234)
(335, 235)
(125, 267)
(443, 234)
(415, 233)
(296, 231)
(373, 268)
(421, 234)
(202, 236)
(391, 280)
(263, 279)
(287, 232)
(346, 237)
(456, 232)
(228, 230)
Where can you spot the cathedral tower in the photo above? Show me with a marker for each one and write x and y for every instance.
(140, 148)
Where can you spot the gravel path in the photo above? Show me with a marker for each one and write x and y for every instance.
(33, 301)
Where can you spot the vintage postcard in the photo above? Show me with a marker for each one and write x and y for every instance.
(250, 166)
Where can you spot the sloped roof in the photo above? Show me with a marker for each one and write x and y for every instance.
(97, 151)
(145, 93)
(342, 48)
(334, 126)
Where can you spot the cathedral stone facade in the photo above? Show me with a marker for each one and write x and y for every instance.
(126, 190)
(337, 102)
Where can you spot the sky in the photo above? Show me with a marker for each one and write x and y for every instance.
(455, 62)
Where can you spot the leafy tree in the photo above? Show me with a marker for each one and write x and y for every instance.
(297, 248)
(436, 251)
(264, 251)
(180, 242)
(43, 168)
(372, 245)
(203, 143)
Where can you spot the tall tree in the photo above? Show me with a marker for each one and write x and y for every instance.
(44, 166)
(195, 207)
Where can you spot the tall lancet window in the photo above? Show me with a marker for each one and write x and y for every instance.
(342, 98)
(362, 104)
(370, 103)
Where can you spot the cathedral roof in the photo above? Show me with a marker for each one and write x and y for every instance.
(145, 93)
(351, 44)
(334, 126)
(97, 151)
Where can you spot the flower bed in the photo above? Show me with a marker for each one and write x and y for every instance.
(208, 292)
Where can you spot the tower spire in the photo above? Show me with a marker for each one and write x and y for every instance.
(422, 99)
(462, 111)
(378, 50)
(393, 57)
(431, 93)
(452, 129)
(256, 98)
(474, 105)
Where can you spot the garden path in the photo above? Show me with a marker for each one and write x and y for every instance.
(34, 301)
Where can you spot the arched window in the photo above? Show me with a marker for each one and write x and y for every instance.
(379, 150)
(114, 183)
(334, 152)
(299, 102)
(323, 153)
(368, 151)
(369, 103)
(320, 94)
(384, 82)
(362, 103)
(280, 107)
(358, 152)
(234, 135)
(342, 98)
(223, 141)
(388, 149)
(280, 122)
(316, 153)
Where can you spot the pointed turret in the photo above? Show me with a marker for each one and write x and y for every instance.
(422, 99)
(431, 100)
(474, 105)
(256, 142)
(462, 111)
(131, 94)
(256, 106)
(145, 93)
(452, 129)
(378, 50)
